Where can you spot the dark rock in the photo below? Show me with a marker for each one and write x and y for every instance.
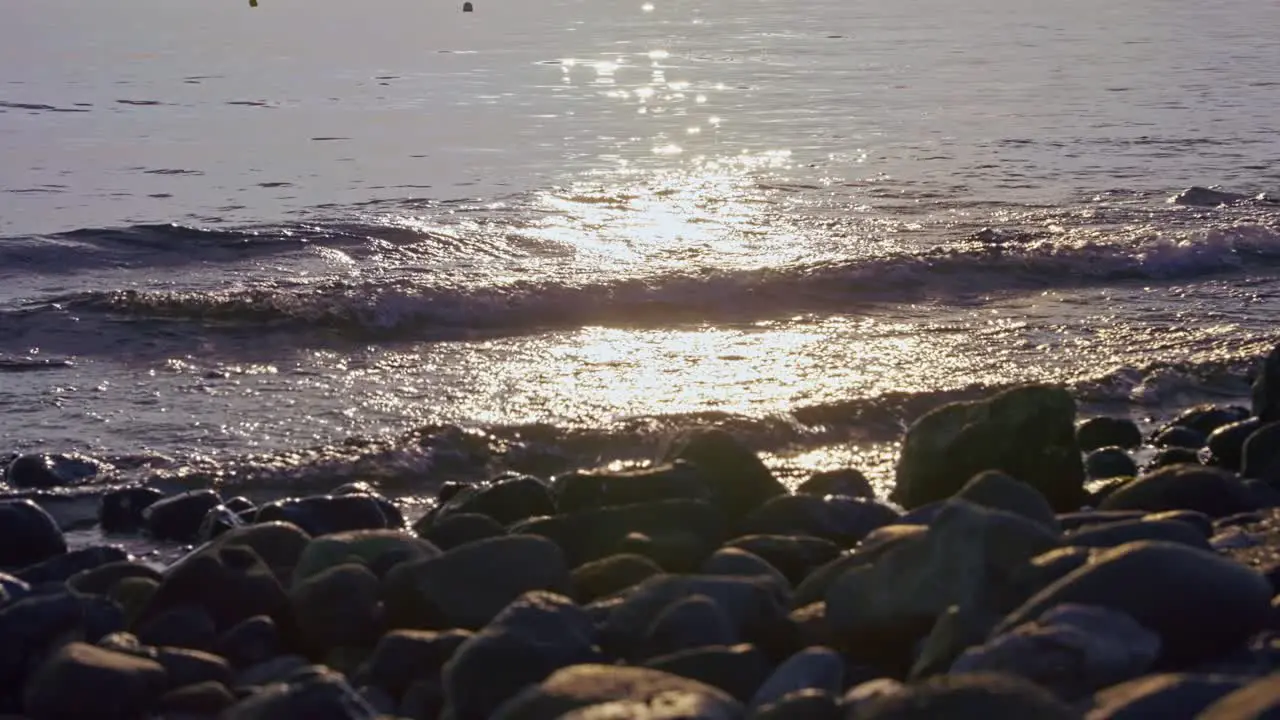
(1226, 444)
(530, 639)
(737, 477)
(424, 700)
(322, 695)
(185, 666)
(179, 517)
(690, 622)
(249, 642)
(278, 669)
(965, 558)
(327, 514)
(218, 520)
(279, 544)
(1073, 650)
(36, 623)
(845, 481)
(594, 534)
(753, 607)
(1109, 535)
(1260, 457)
(1162, 696)
(132, 595)
(1045, 569)
(1109, 462)
(580, 491)
(449, 488)
(403, 657)
(12, 589)
(1212, 491)
(1265, 394)
(338, 607)
(1204, 419)
(377, 550)
(609, 575)
(618, 692)
(1259, 700)
(201, 700)
(467, 586)
(99, 580)
(1179, 436)
(1202, 523)
(1087, 518)
(801, 705)
(923, 515)
(957, 629)
(814, 587)
(844, 521)
(1027, 432)
(814, 668)
(794, 557)
(61, 567)
(972, 695)
(120, 510)
(1100, 493)
(1200, 604)
(740, 563)
(378, 699)
(738, 670)
(1173, 456)
(28, 534)
(507, 500)
(230, 582)
(998, 491)
(83, 681)
(187, 626)
(51, 471)
(1100, 432)
(451, 531)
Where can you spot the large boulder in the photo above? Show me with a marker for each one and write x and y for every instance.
(530, 639)
(998, 491)
(28, 534)
(467, 586)
(1027, 432)
(37, 623)
(41, 471)
(1200, 604)
(1212, 491)
(611, 691)
(603, 488)
(231, 583)
(83, 681)
(737, 477)
(690, 622)
(1259, 456)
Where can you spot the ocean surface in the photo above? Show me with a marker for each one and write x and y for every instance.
(321, 240)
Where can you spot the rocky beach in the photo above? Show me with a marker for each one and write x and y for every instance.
(1023, 566)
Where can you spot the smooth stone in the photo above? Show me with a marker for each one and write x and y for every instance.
(249, 642)
(1109, 462)
(841, 520)
(1100, 432)
(1027, 432)
(1204, 419)
(327, 514)
(1045, 569)
(60, 568)
(132, 595)
(814, 668)
(51, 471)
(12, 589)
(973, 695)
(848, 482)
(795, 557)
(32, 625)
(870, 690)
(735, 562)
(1226, 444)
(452, 531)
(101, 579)
(1073, 650)
(593, 489)
(1265, 392)
(956, 630)
(604, 577)
(403, 657)
(1108, 535)
(1087, 518)
(1200, 604)
(507, 500)
(467, 587)
(691, 622)
(1259, 700)
(28, 534)
(325, 695)
(279, 544)
(595, 534)
(1197, 196)
(179, 517)
(1198, 520)
(999, 491)
(120, 510)
(1180, 437)
(1162, 696)
(188, 626)
(626, 692)
(184, 666)
(532, 638)
(230, 582)
(738, 479)
(1212, 491)
(738, 670)
(217, 521)
(1260, 458)
(200, 700)
(338, 607)
(801, 705)
(83, 681)
(814, 587)
(273, 670)
(377, 550)
(1172, 456)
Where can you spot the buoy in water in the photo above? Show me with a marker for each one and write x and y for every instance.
(466, 7)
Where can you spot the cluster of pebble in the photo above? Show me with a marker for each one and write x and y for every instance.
(996, 585)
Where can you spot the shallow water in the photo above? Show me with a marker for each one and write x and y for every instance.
(228, 232)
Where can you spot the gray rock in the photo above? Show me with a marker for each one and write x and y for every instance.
(507, 499)
(998, 491)
(814, 587)
(956, 630)
(973, 695)
(52, 470)
(467, 586)
(275, 670)
(59, 568)
(12, 589)
(1100, 432)
(738, 479)
(1204, 419)
(200, 700)
(403, 657)
(120, 510)
(279, 544)
(249, 642)
(1212, 491)
(802, 705)
(188, 626)
(99, 580)
(1109, 535)
(628, 692)
(691, 622)
(607, 576)
(735, 562)
(230, 582)
(322, 695)
(738, 670)
(338, 607)
(1161, 696)
(1045, 569)
(28, 534)
(814, 668)
(1073, 650)
(83, 681)
(327, 514)
(1200, 605)
(1027, 432)
(535, 636)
